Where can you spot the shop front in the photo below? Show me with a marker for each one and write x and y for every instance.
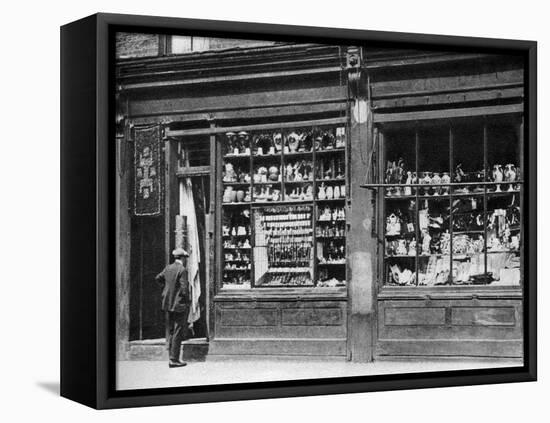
(338, 202)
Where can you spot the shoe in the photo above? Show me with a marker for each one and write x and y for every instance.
(172, 364)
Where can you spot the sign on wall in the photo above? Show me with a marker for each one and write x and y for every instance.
(148, 175)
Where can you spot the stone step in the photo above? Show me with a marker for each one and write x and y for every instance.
(194, 349)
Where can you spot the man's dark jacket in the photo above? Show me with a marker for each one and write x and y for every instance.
(175, 295)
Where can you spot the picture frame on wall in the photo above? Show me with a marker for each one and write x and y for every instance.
(260, 211)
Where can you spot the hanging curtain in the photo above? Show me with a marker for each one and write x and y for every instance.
(187, 209)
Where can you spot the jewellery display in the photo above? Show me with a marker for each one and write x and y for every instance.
(293, 184)
(283, 246)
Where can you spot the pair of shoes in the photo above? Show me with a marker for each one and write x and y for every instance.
(173, 364)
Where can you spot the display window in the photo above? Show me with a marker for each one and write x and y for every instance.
(283, 207)
(451, 195)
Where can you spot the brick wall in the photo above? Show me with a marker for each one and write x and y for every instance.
(147, 45)
(136, 45)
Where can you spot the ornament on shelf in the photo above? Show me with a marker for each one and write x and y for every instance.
(321, 195)
(244, 143)
(293, 142)
(393, 225)
(278, 141)
(497, 176)
(408, 190)
(445, 179)
(412, 247)
(436, 180)
(510, 175)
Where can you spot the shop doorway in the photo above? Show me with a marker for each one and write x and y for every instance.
(200, 191)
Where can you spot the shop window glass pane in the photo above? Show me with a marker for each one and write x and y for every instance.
(290, 186)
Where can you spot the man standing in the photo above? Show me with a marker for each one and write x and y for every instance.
(176, 302)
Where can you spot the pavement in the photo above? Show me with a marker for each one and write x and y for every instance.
(156, 374)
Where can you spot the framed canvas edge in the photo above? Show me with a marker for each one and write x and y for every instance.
(107, 397)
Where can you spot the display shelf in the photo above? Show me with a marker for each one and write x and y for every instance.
(451, 184)
(332, 200)
(330, 151)
(267, 249)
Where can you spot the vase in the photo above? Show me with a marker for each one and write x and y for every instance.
(497, 176)
(510, 175)
(329, 193)
(407, 190)
(436, 180)
(426, 180)
(446, 179)
(232, 196)
(336, 191)
(239, 195)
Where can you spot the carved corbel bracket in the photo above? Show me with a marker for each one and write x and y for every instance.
(356, 75)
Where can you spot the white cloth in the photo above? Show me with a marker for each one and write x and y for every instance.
(187, 208)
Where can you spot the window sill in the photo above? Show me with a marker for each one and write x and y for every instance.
(282, 294)
(450, 292)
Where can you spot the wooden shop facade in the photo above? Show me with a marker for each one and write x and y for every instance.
(347, 202)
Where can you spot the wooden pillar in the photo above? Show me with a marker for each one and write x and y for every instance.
(123, 243)
(361, 244)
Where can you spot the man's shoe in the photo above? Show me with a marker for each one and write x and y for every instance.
(172, 364)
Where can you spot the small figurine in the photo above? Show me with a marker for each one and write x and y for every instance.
(408, 190)
(412, 247)
(401, 249)
(293, 141)
(321, 195)
(229, 174)
(393, 225)
(278, 141)
(497, 176)
(244, 143)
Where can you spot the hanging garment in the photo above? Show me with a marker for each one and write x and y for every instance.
(187, 208)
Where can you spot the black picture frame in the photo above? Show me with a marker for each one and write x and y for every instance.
(87, 215)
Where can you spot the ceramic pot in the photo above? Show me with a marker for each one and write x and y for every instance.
(336, 191)
(436, 180)
(233, 196)
(329, 193)
(239, 195)
(426, 179)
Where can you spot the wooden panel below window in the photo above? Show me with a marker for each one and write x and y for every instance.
(287, 327)
(407, 316)
(483, 316)
(312, 317)
(450, 327)
(249, 317)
